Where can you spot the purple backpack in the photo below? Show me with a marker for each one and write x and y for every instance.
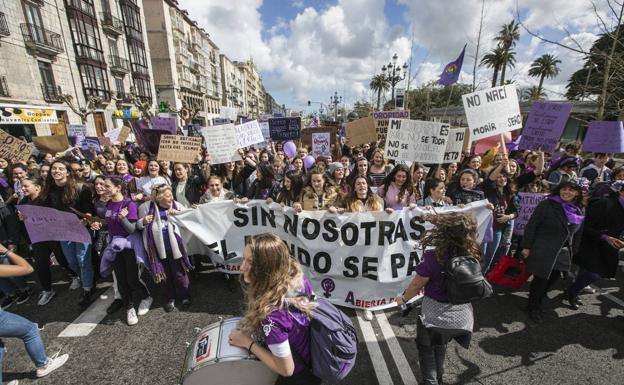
(333, 342)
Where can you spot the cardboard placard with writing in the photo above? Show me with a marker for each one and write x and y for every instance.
(179, 148)
(604, 136)
(13, 149)
(416, 140)
(285, 128)
(528, 203)
(361, 131)
(382, 119)
(455, 145)
(306, 138)
(544, 126)
(123, 134)
(105, 141)
(221, 143)
(51, 144)
(492, 112)
(248, 133)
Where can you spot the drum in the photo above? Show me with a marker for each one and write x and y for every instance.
(212, 360)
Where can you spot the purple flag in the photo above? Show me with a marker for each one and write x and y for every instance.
(452, 70)
(47, 224)
(148, 138)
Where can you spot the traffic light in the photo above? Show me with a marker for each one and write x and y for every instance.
(162, 107)
(309, 103)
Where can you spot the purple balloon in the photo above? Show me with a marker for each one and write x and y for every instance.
(290, 149)
(308, 161)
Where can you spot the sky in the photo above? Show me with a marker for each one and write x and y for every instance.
(310, 49)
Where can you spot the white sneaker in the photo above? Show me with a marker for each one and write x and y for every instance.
(368, 315)
(132, 317)
(589, 290)
(145, 305)
(14, 382)
(45, 297)
(75, 283)
(53, 364)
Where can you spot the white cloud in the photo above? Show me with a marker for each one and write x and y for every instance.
(298, 4)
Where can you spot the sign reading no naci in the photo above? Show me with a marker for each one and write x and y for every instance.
(492, 112)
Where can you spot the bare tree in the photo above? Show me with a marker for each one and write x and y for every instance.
(83, 112)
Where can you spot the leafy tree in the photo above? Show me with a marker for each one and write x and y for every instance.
(422, 99)
(543, 67)
(379, 84)
(494, 59)
(506, 38)
(533, 93)
(362, 108)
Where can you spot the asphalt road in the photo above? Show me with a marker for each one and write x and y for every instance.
(570, 347)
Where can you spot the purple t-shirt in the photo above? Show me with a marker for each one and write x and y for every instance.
(430, 267)
(115, 228)
(285, 331)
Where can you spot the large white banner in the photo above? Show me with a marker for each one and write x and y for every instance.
(416, 140)
(358, 260)
(492, 112)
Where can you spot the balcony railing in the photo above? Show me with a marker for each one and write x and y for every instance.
(4, 88)
(118, 64)
(4, 26)
(50, 93)
(41, 40)
(124, 97)
(81, 6)
(112, 25)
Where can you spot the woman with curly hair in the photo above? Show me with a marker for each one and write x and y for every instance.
(318, 194)
(360, 199)
(453, 234)
(280, 319)
(397, 190)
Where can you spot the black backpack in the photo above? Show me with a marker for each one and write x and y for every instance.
(464, 280)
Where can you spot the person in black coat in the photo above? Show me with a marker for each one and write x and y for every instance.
(602, 239)
(188, 182)
(548, 241)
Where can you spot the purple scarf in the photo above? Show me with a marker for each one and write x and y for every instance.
(571, 210)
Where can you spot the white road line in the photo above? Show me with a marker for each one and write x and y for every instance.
(405, 370)
(372, 345)
(90, 318)
(612, 298)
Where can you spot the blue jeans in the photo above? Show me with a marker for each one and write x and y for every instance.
(12, 325)
(9, 285)
(489, 249)
(78, 257)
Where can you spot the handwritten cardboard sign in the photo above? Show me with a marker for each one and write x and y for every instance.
(13, 149)
(221, 143)
(416, 140)
(528, 203)
(382, 119)
(179, 148)
(248, 133)
(51, 144)
(47, 224)
(492, 112)
(603, 136)
(123, 134)
(454, 145)
(361, 131)
(321, 143)
(285, 128)
(544, 126)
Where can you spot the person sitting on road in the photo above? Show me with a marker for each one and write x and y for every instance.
(12, 325)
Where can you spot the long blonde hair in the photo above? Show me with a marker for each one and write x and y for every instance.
(273, 274)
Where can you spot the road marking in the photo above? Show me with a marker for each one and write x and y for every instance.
(612, 298)
(405, 370)
(90, 318)
(372, 345)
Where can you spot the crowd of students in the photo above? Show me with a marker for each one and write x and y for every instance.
(125, 198)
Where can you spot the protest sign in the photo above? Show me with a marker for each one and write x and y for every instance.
(90, 142)
(416, 140)
(78, 131)
(264, 127)
(382, 119)
(321, 144)
(544, 126)
(47, 224)
(361, 131)
(51, 144)
(221, 143)
(123, 134)
(179, 148)
(113, 136)
(148, 138)
(285, 128)
(492, 112)
(603, 136)
(166, 124)
(528, 202)
(228, 113)
(307, 135)
(358, 260)
(105, 141)
(454, 145)
(13, 149)
(248, 133)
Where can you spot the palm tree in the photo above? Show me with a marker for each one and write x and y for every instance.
(533, 93)
(543, 67)
(379, 84)
(508, 59)
(494, 60)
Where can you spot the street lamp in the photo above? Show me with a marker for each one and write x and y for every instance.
(335, 101)
(393, 73)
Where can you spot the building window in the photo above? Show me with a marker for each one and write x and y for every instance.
(119, 86)
(94, 81)
(143, 88)
(48, 85)
(86, 38)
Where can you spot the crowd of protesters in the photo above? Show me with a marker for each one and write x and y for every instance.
(125, 198)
